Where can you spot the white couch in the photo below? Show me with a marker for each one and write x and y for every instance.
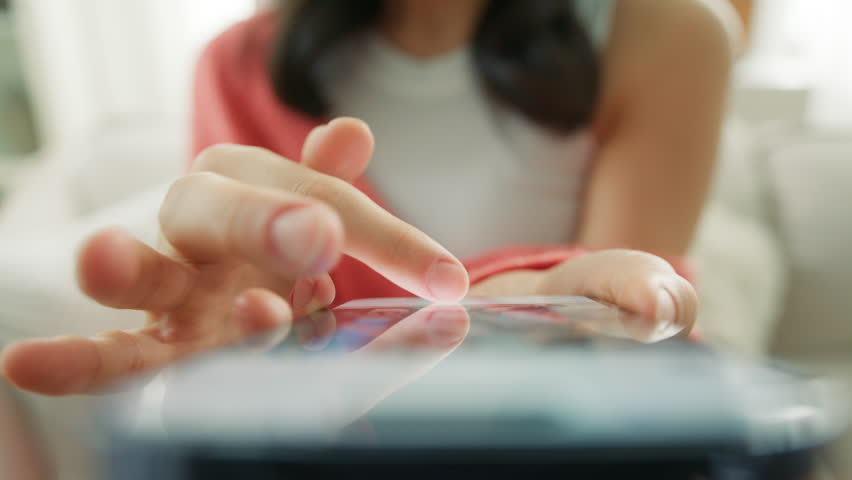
(773, 246)
(117, 175)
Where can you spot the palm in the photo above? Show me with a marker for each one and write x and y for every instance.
(205, 318)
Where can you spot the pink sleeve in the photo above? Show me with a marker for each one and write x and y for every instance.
(233, 100)
(214, 116)
(511, 258)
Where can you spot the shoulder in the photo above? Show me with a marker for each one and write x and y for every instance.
(657, 44)
(708, 18)
(653, 29)
(674, 28)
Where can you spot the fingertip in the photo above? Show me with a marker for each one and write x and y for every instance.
(359, 141)
(324, 291)
(310, 295)
(39, 366)
(258, 309)
(684, 299)
(312, 141)
(107, 264)
(447, 281)
(665, 310)
(353, 125)
(668, 305)
(302, 295)
(342, 148)
(18, 367)
(8, 363)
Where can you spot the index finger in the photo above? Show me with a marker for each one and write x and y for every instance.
(395, 249)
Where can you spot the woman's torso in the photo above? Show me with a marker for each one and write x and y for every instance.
(470, 174)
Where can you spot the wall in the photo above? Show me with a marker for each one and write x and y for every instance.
(805, 45)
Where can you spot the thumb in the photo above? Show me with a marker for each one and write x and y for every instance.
(342, 148)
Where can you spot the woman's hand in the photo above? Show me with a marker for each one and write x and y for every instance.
(634, 281)
(246, 230)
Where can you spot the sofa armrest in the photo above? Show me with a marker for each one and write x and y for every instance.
(742, 277)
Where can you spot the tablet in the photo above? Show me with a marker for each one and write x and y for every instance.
(391, 387)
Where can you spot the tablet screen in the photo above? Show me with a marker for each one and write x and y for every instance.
(523, 322)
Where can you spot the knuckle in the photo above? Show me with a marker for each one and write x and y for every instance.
(328, 189)
(128, 343)
(403, 244)
(199, 180)
(215, 157)
(183, 189)
(304, 186)
(684, 288)
(221, 157)
(657, 263)
(193, 180)
(151, 281)
(211, 158)
(643, 259)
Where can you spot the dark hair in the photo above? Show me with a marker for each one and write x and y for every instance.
(530, 55)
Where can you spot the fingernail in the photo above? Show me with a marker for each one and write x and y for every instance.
(316, 133)
(312, 140)
(314, 305)
(447, 281)
(301, 239)
(317, 301)
(303, 292)
(666, 310)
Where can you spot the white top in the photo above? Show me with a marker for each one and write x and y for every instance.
(448, 161)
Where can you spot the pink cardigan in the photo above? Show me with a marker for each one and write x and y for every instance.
(234, 103)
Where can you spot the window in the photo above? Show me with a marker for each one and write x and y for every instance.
(92, 61)
(17, 126)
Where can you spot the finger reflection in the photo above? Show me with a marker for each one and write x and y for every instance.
(316, 330)
(560, 320)
(371, 355)
(414, 346)
(616, 323)
(435, 326)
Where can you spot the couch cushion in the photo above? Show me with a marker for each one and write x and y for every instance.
(126, 156)
(741, 268)
(739, 184)
(811, 185)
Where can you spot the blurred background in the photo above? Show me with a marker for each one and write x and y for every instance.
(94, 100)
